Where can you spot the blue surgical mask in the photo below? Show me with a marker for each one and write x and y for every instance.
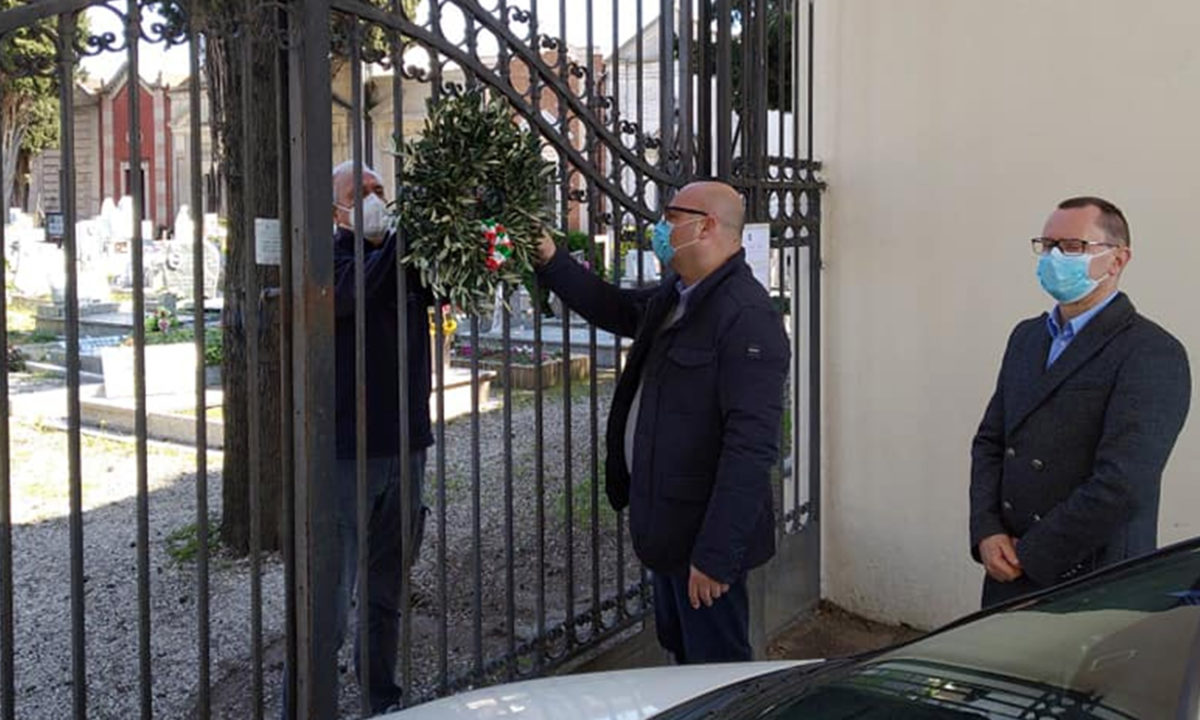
(660, 241)
(1066, 277)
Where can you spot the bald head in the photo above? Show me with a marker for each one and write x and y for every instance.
(343, 182)
(706, 220)
(718, 200)
(343, 190)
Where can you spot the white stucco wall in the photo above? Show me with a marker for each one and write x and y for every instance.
(950, 129)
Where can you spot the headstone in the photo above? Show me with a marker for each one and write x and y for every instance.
(496, 321)
(649, 267)
(184, 227)
(122, 220)
(89, 242)
(522, 308)
(213, 230)
(175, 275)
(91, 285)
(108, 209)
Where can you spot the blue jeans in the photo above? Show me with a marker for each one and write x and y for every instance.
(384, 567)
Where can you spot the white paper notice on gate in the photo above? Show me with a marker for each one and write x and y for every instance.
(756, 240)
(267, 250)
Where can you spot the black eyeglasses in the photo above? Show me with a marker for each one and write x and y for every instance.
(1070, 247)
(687, 210)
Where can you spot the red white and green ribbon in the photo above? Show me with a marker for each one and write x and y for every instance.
(499, 245)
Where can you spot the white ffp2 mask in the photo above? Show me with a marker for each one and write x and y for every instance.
(375, 219)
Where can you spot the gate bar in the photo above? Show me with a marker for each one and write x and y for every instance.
(251, 309)
(7, 641)
(313, 358)
(361, 504)
(407, 478)
(618, 231)
(724, 91)
(203, 647)
(279, 72)
(66, 29)
(814, 310)
(510, 611)
(595, 211)
(686, 27)
(565, 178)
(539, 420)
(145, 674)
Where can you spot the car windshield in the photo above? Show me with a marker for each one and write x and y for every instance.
(1122, 645)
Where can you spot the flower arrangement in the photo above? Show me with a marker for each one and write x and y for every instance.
(473, 206)
(162, 321)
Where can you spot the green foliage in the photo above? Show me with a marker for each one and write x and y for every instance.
(183, 545)
(175, 333)
(214, 347)
(471, 163)
(43, 124)
(580, 242)
(28, 93)
(778, 86)
(629, 239)
(41, 336)
(16, 360)
(160, 322)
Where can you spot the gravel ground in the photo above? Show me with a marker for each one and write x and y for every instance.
(42, 561)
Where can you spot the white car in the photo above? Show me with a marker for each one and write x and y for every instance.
(1118, 644)
(625, 694)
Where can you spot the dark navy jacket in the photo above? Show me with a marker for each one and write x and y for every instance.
(383, 379)
(708, 426)
(1069, 459)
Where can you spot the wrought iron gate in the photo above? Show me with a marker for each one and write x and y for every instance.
(524, 569)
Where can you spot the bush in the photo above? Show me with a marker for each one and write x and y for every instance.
(16, 360)
(214, 348)
(581, 242)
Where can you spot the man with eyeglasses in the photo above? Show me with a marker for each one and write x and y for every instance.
(694, 427)
(1068, 460)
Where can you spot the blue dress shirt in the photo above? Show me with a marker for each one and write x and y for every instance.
(1061, 336)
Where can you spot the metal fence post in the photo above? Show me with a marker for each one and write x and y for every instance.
(313, 359)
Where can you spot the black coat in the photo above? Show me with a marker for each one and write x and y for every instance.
(1069, 459)
(708, 426)
(381, 351)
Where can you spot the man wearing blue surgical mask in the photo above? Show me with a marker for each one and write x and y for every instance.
(1068, 460)
(695, 421)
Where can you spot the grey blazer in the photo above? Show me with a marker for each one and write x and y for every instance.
(1069, 459)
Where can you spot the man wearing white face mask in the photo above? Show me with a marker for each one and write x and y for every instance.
(1068, 460)
(383, 426)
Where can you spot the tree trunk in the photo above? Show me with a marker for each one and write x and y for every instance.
(225, 82)
(14, 135)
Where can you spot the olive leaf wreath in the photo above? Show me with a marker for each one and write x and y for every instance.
(472, 170)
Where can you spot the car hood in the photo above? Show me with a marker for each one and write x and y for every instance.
(625, 694)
